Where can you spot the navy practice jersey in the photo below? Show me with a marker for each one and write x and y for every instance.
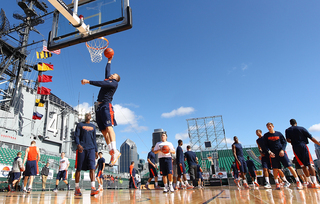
(108, 87)
(85, 135)
(250, 165)
(298, 135)
(275, 142)
(101, 161)
(152, 157)
(179, 155)
(239, 151)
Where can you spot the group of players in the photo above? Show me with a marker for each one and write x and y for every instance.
(272, 147)
(172, 166)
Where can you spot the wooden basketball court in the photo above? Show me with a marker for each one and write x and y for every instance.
(224, 194)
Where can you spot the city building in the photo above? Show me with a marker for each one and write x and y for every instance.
(129, 153)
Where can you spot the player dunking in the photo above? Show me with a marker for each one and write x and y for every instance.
(165, 161)
(298, 137)
(100, 166)
(104, 113)
(239, 159)
(87, 152)
(276, 144)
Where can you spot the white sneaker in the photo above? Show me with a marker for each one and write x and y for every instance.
(165, 190)
(267, 186)
(287, 185)
(171, 188)
(116, 156)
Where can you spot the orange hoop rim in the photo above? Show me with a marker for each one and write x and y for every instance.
(101, 48)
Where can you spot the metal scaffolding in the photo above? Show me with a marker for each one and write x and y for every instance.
(206, 129)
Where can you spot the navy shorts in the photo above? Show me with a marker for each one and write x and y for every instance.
(199, 175)
(85, 160)
(243, 167)
(302, 154)
(266, 162)
(99, 174)
(165, 166)
(16, 176)
(105, 116)
(236, 174)
(31, 168)
(252, 174)
(152, 172)
(277, 161)
(62, 175)
(181, 169)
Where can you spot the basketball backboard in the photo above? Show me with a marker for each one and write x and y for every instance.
(100, 17)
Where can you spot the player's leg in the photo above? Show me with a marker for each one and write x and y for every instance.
(90, 158)
(25, 182)
(79, 162)
(243, 171)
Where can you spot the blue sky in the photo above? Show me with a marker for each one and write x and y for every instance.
(252, 62)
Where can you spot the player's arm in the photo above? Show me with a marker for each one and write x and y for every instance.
(103, 165)
(68, 165)
(76, 138)
(201, 169)
(287, 136)
(172, 151)
(156, 149)
(315, 141)
(108, 69)
(235, 155)
(95, 142)
(149, 161)
(283, 142)
(38, 153)
(25, 156)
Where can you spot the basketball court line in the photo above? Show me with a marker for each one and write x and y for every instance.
(259, 198)
(214, 197)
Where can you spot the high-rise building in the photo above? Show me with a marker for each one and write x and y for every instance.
(317, 150)
(156, 137)
(129, 153)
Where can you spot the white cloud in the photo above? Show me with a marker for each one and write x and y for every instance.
(244, 67)
(182, 136)
(125, 116)
(83, 109)
(229, 141)
(315, 128)
(178, 112)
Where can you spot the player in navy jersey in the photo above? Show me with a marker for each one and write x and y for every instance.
(199, 175)
(100, 166)
(152, 169)
(192, 163)
(87, 152)
(235, 174)
(251, 168)
(275, 144)
(240, 161)
(181, 169)
(298, 137)
(265, 158)
(104, 113)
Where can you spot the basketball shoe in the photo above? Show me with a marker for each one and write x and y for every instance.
(77, 192)
(299, 186)
(267, 186)
(147, 187)
(246, 186)
(114, 157)
(256, 183)
(171, 188)
(94, 191)
(278, 186)
(287, 185)
(182, 187)
(165, 190)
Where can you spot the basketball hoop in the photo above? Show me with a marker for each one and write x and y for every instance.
(96, 48)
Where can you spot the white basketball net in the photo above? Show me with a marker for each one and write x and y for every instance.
(96, 47)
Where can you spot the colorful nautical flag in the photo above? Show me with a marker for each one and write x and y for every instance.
(40, 102)
(43, 55)
(36, 116)
(44, 78)
(43, 91)
(44, 67)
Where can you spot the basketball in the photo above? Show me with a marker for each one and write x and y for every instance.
(108, 53)
(22, 169)
(165, 149)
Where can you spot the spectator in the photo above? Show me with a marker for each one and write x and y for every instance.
(44, 175)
